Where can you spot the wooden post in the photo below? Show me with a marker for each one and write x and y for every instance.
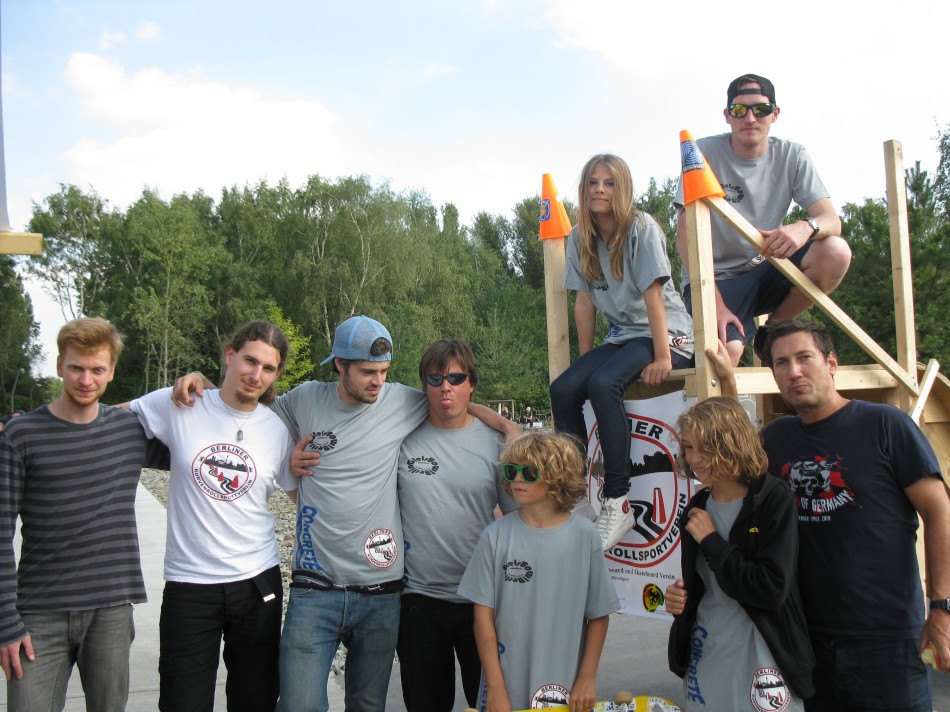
(819, 298)
(703, 294)
(21, 243)
(559, 348)
(901, 264)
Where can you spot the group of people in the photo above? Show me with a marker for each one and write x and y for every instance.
(805, 591)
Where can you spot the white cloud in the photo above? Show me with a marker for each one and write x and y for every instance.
(438, 69)
(181, 133)
(108, 40)
(148, 31)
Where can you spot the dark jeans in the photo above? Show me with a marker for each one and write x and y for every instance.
(194, 619)
(602, 375)
(432, 633)
(880, 674)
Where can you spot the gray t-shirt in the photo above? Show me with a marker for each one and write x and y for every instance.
(348, 528)
(761, 190)
(731, 666)
(543, 584)
(621, 300)
(449, 484)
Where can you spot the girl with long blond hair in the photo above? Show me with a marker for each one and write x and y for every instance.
(618, 265)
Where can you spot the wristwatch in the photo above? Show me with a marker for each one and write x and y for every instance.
(815, 228)
(942, 604)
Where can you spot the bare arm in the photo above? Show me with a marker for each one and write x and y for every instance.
(585, 316)
(658, 371)
(194, 381)
(584, 691)
(487, 641)
(785, 241)
(929, 497)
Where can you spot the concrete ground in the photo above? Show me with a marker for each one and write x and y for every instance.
(634, 656)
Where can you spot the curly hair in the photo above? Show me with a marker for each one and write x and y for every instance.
(557, 457)
(722, 429)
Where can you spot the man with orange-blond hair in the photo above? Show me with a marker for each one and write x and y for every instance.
(70, 470)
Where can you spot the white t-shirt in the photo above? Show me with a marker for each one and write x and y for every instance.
(219, 527)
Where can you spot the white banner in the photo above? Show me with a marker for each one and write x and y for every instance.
(647, 559)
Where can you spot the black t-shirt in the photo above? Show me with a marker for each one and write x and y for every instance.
(857, 528)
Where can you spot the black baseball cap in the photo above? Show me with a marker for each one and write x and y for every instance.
(767, 89)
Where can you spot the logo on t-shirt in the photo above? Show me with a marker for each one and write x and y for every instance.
(422, 465)
(551, 695)
(769, 693)
(734, 194)
(599, 286)
(819, 486)
(380, 548)
(323, 441)
(224, 472)
(518, 571)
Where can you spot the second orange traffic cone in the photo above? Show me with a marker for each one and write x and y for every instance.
(699, 181)
(553, 221)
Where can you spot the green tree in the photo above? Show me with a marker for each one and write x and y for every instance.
(299, 367)
(70, 265)
(19, 349)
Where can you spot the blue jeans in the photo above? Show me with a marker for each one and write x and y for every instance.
(858, 675)
(194, 619)
(316, 623)
(602, 375)
(96, 641)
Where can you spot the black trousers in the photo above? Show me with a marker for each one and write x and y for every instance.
(432, 633)
(194, 619)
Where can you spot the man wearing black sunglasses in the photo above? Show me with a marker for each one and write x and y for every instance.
(761, 176)
(449, 485)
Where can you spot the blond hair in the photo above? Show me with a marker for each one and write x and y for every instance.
(722, 429)
(89, 334)
(556, 457)
(624, 212)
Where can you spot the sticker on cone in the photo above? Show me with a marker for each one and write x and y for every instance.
(553, 221)
(699, 181)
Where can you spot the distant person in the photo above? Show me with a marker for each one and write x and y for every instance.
(222, 574)
(861, 473)
(449, 485)
(539, 582)
(505, 413)
(617, 264)
(761, 176)
(70, 470)
(739, 638)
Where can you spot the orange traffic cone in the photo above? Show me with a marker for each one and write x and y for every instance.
(699, 181)
(554, 221)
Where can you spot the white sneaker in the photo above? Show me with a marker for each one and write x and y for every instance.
(614, 521)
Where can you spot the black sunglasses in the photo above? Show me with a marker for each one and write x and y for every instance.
(454, 379)
(510, 471)
(737, 111)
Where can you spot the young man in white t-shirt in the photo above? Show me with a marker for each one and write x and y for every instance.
(221, 561)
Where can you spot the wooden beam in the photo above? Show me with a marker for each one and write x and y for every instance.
(930, 375)
(901, 265)
(21, 243)
(819, 298)
(703, 295)
(559, 348)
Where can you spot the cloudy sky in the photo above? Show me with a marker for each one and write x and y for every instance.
(470, 101)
